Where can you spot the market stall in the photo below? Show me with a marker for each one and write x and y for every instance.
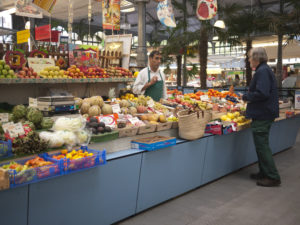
(135, 180)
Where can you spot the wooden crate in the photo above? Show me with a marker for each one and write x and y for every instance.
(148, 128)
(128, 131)
(164, 126)
(4, 179)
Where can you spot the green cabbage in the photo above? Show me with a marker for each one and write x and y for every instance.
(47, 123)
(35, 116)
(19, 111)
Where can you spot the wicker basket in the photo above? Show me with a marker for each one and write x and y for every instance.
(192, 126)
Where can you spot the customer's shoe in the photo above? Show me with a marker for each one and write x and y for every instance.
(256, 176)
(267, 182)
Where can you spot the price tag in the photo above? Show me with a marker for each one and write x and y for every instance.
(150, 103)
(4, 117)
(116, 108)
(6, 126)
(14, 129)
(133, 120)
(204, 98)
(33, 102)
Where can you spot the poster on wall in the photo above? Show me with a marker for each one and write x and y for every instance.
(24, 8)
(126, 39)
(111, 14)
(83, 56)
(206, 9)
(165, 13)
(44, 6)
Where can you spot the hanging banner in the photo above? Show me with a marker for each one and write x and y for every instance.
(44, 6)
(165, 13)
(54, 36)
(22, 36)
(206, 9)
(23, 8)
(111, 14)
(42, 32)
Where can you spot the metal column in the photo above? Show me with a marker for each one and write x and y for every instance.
(142, 49)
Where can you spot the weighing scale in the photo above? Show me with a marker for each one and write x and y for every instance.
(56, 104)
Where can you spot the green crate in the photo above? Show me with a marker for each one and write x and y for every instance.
(105, 137)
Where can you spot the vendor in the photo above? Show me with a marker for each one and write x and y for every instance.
(151, 80)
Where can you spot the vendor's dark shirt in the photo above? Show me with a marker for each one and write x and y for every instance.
(262, 96)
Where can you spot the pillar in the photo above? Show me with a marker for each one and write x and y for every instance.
(142, 48)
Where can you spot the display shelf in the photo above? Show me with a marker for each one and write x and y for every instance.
(46, 81)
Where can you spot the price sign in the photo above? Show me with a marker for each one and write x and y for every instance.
(22, 36)
(133, 120)
(150, 103)
(4, 117)
(204, 98)
(116, 108)
(14, 129)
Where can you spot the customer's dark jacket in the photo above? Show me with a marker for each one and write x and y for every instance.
(262, 96)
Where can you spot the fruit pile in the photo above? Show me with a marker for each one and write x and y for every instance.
(97, 127)
(15, 166)
(37, 162)
(53, 72)
(6, 71)
(74, 154)
(27, 73)
(118, 72)
(95, 72)
(235, 117)
(74, 72)
(174, 92)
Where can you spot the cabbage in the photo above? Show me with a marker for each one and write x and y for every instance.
(35, 116)
(82, 136)
(69, 124)
(19, 111)
(68, 137)
(47, 123)
(54, 139)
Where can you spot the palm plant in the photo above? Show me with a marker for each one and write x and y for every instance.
(242, 24)
(285, 22)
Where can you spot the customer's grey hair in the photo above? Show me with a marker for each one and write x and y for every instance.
(259, 54)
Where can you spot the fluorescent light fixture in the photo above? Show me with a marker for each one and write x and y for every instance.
(27, 25)
(7, 12)
(132, 9)
(220, 24)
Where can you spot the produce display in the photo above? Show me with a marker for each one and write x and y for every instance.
(74, 154)
(53, 72)
(6, 71)
(97, 127)
(235, 117)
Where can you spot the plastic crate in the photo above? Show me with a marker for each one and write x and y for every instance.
(143, 145)
(33, 174)
(5, 149)
(69, 166)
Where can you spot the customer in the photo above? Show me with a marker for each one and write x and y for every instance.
(263, 108)
(237, 80)
(151, 81)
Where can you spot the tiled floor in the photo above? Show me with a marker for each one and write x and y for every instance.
(235, 200)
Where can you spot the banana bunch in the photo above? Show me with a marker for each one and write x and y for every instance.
(202, 105)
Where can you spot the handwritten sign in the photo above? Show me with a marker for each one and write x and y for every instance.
(39, 64)
(14, 129)
(22, 36)
(4, 117)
